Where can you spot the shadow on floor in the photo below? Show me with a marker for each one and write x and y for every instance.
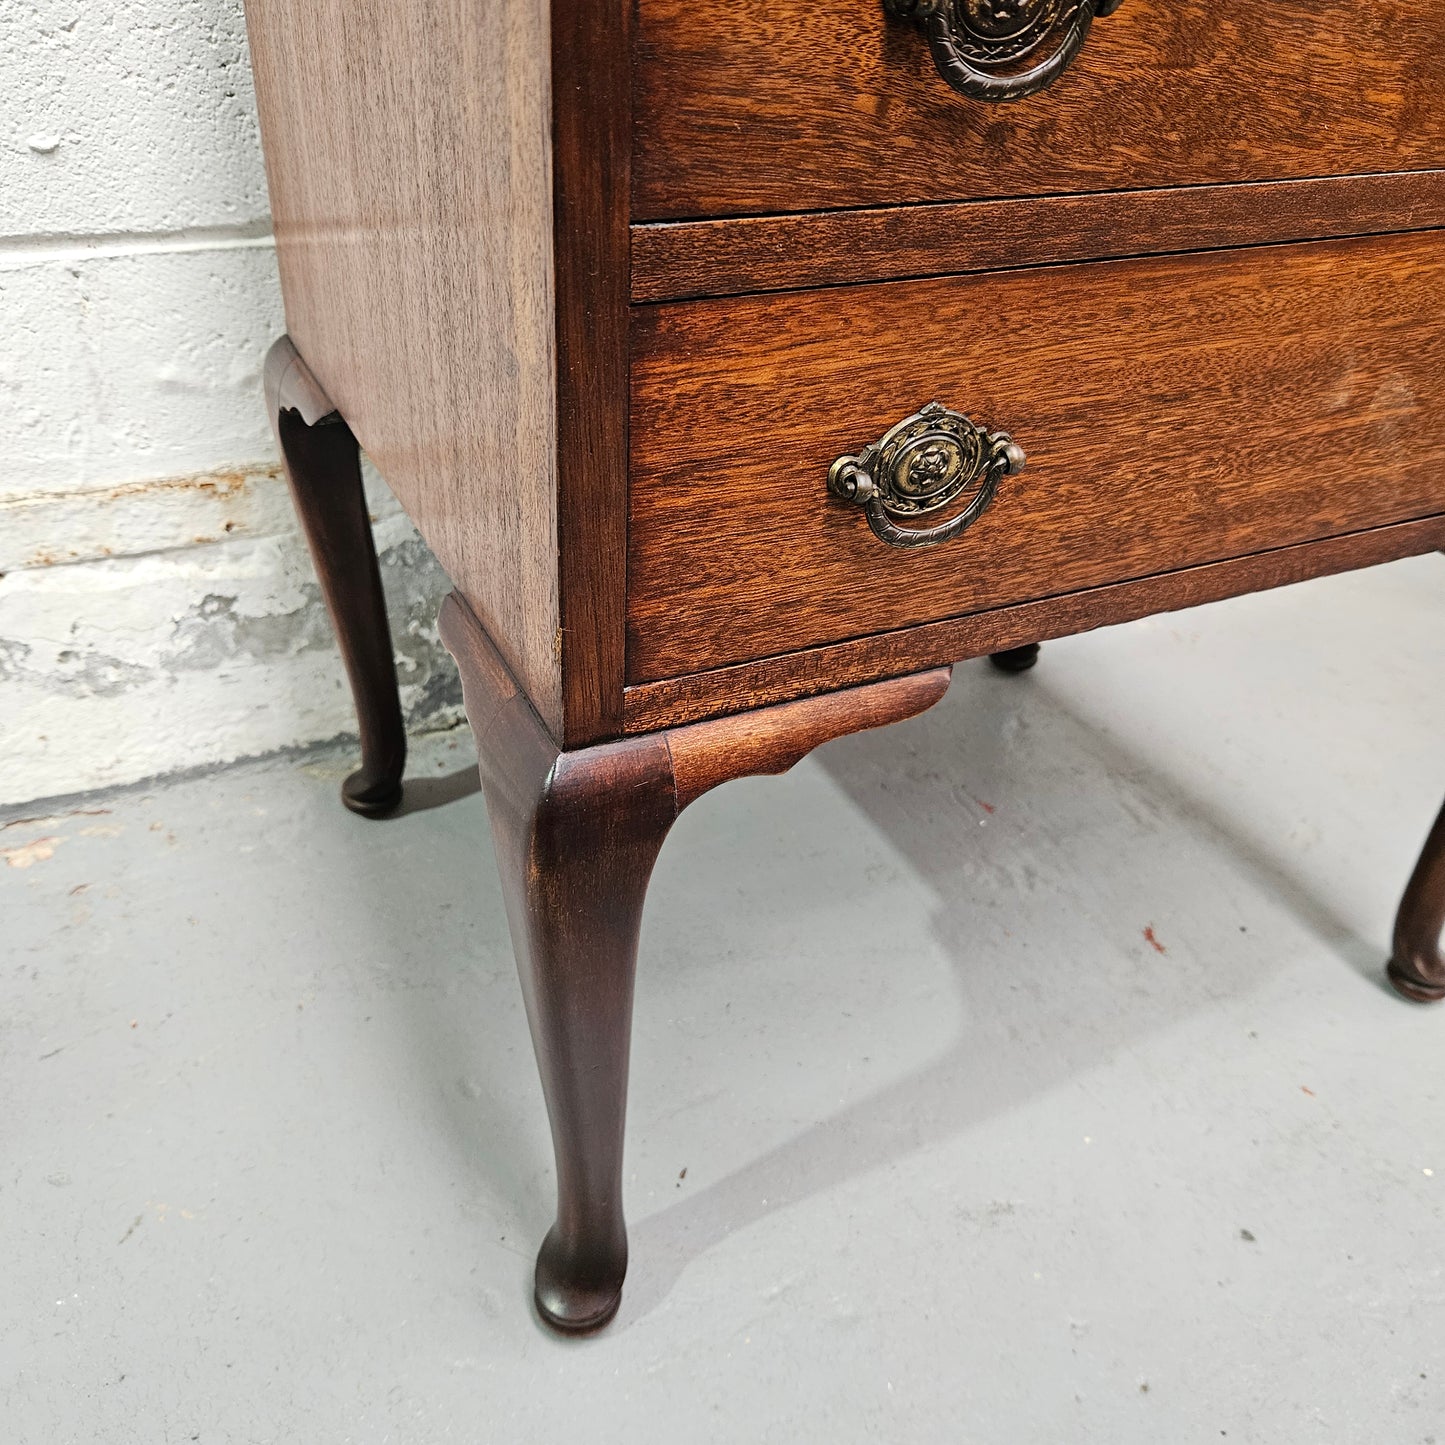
(1030, 1020)
(419, 795)
(1003, 919)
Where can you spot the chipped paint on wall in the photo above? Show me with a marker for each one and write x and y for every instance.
(50, 528)
(114, 668)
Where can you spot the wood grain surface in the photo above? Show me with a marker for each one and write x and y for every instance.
(407, 155)
(576, 834)
(592, 118)
(773, 739)
(676, 260)
(1175, 411)
(422, 168)
(652, 705)
(748, 108)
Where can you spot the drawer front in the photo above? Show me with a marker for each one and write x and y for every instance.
(742, 107)
(1174, 411)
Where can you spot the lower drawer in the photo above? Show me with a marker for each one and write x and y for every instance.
(1174, 411)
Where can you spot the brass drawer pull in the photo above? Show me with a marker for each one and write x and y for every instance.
(928, 461)
(979, 45)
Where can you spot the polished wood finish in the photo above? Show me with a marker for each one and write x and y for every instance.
(323, 468)
(1175, 411)
(428, 182)
(847, 664)
(591, 118)
(604, 288)
(576, 837)
(1417, 964)
(680, 259)
(742, 108)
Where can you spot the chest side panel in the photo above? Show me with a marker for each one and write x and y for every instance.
(408, 155)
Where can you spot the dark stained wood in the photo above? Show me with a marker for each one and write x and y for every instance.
(1175, 411)
(680, 259)
(1417, 965)
(773, 739)
(743, 108)
(773, 680)
(1016, 659)
(450, 190)
(407, 156)
(591, 109)
(576, 836)
(470, 193)
(323, 467)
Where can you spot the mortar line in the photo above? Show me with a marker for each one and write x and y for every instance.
(18, 251)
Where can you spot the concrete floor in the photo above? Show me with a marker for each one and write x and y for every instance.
(1020, 1074)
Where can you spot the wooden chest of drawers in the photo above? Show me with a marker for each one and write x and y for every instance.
(747, 365)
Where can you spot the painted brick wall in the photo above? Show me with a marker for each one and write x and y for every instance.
(157, 609)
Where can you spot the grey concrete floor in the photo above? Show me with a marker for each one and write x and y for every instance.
(1020, 1074)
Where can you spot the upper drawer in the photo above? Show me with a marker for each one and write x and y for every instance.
(743, 107)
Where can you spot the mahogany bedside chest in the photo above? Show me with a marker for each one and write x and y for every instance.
(706, 342)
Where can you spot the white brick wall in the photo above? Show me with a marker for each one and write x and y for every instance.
(157, 611)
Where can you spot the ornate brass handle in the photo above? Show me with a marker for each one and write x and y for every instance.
(931, 459)
(1001, 50)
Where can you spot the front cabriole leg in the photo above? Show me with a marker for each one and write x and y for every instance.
(576, 837)
(1417, 965)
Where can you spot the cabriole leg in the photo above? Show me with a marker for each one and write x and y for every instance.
(323, 467)
(575, 847)
(576, 836)
(1016, 659)
(1417, 965)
